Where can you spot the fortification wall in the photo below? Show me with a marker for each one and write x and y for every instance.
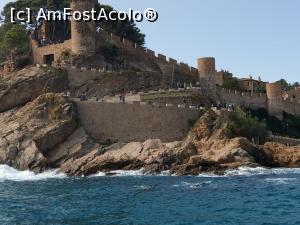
(291, 107)
(158, 57)
(135, 122)
(284, 140)
(38, 53)
(237, 98)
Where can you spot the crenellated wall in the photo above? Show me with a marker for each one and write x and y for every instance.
(244, 99)
(160, 58)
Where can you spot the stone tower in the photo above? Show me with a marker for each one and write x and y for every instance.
(83, 34)
(207, 71)
(274, 95)
(206, 67)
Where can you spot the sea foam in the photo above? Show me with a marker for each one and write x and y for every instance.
(249, 171)
(10, 174)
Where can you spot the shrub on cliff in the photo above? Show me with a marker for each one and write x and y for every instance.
(288, 126)
(110, 51)
(242, 124)
(231, 83)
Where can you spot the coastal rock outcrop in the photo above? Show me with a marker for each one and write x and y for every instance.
(279, 155)
(18, 88)
(206, 149)
(29, 133)
(40, 130)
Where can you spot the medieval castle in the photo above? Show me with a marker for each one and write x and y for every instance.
(85, 40)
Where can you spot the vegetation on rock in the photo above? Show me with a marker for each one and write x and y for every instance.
(243, 124)
(231, 83)
(287, 86)
(288, 126)
(14, 44)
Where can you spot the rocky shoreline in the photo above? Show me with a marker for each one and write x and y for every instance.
(41, 131)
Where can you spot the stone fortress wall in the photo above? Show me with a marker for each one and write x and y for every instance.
(38, 52)
(125, 122)
(160, 58)
(243, 99)
(84, 41)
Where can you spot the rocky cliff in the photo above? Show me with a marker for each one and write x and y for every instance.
(18, 88)
(40, 130)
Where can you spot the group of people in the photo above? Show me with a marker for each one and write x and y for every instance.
(83, 98)
(122, 98)
(45, 42)
(228, 106)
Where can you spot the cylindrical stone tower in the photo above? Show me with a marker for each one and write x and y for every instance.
(274, 95)
(206, 67)
(83, 34)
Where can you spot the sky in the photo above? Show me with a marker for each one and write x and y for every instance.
(247, 37)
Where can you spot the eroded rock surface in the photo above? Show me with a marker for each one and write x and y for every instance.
(28, 134)
(18, 88)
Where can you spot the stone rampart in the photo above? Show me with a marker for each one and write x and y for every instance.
(244, 99)
(136, 121)
(284, 140)
(159, 57)
(291, 107)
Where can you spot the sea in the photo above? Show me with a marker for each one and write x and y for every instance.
(243, 196)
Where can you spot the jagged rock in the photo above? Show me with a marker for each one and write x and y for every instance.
(16, 89)
(281, 156)
(31, 132)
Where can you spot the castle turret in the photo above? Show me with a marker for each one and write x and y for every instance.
(274, 95)
(207, 71)
(206, 67)
(83, 33)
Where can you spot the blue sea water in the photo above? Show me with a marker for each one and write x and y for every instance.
(244, 196)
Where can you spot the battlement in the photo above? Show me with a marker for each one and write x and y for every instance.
(161, 58)
(245, 99)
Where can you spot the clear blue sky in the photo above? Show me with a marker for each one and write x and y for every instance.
(257, 37)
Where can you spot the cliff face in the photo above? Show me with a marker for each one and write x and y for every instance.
(41, 131)
(29, 133)
(18, 88)
(206, 149)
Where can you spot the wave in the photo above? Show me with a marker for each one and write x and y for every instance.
(131, 173)
(10, 174)
(280, 180)
(192, 185)
(121, 173)
(249, 171)
(143, 187)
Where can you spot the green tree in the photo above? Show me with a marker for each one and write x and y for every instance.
(14, 44)
(126, 29)
(285, 85)
(231, 83)
(110, 51)
(245, 125)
